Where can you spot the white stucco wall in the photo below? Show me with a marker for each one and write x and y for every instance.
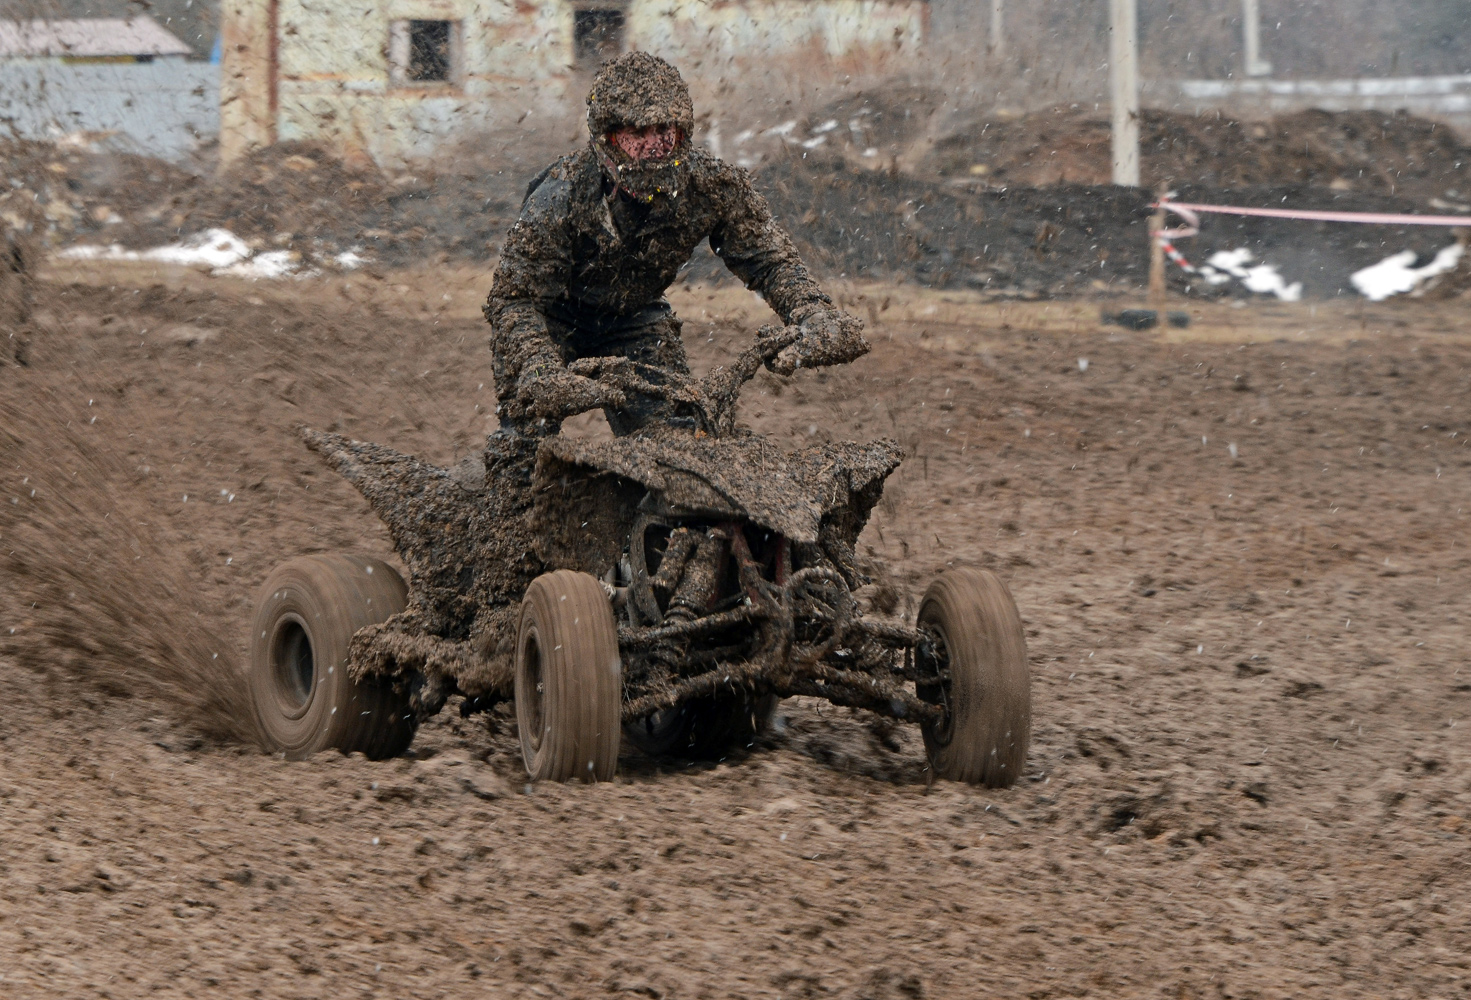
(1445, 98)
(164, 108)
(334, 72)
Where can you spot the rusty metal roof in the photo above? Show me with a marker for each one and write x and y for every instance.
(98, 37)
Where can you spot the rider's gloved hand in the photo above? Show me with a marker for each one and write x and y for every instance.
(827, 337)
(559, 393)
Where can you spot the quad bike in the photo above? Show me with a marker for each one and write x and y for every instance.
(668, 588)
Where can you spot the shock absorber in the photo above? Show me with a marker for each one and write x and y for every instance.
(697, 587)
(692, 597)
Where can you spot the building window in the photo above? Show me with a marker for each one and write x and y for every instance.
(597, 34)
(423, 53)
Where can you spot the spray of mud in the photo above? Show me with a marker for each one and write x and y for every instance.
(92, 597)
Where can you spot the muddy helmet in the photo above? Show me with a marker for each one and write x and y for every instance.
(638, 90)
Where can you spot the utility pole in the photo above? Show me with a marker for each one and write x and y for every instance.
(1123, 75)
(1251, 31)
(998, 34)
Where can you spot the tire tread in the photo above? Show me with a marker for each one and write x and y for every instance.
(990, 692)
(335, 595)
(582, 699)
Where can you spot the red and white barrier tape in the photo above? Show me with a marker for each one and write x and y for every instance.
(1192, 221)
(1174, 254)
(1187, 211)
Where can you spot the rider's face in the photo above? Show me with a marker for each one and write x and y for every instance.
(655, 142)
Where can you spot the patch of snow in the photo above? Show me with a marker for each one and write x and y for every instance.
(1397, 274)
(212, 248)
(1261, 278)
(87, 252)
(1212, 276)
(275, 264)
(219, 250)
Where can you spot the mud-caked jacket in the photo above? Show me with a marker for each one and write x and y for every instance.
(575, 250)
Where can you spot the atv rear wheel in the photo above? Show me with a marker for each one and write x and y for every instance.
(569, 682)
(702, 729)
(987, 696)
(306, 615)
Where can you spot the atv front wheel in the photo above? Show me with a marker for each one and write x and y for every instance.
(569, 683)
(980, 653)
(306, 615)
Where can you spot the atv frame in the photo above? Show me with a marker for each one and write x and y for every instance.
(667, 589)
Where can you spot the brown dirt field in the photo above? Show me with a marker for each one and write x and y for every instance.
(1240, 557)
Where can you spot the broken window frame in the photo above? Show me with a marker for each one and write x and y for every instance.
(615, 11)
(401, 53)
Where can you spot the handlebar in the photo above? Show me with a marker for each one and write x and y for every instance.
(712, 399)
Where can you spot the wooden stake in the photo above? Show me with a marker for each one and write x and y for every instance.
(1156, 261)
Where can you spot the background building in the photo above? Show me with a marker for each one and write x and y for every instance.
(126, 79)
(193, 22)
(398, 79)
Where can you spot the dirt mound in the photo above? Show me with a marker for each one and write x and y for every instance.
(275, 192)
(62, 191)
(1061, 240)
(294, 196)
(868, 224)
(1017, 207)
(1396, 154)
(876, 125)
(304, 197)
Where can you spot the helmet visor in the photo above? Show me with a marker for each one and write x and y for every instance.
(656, 142)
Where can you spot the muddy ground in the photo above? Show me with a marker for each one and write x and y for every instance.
(1241, 560)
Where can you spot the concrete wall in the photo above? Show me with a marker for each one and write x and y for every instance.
(164, 108)
(751, 56)
(723, 36)
(1445, 98)
(330, 63)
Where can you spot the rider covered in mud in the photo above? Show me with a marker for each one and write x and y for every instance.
(604, 232)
